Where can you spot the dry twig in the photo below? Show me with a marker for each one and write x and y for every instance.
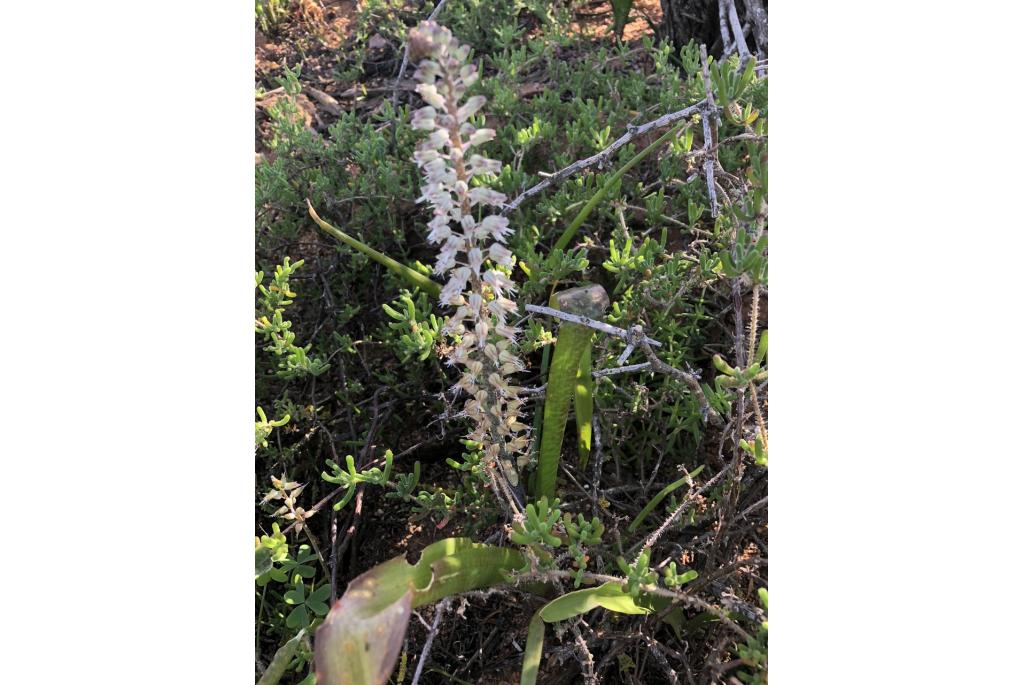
(604, 156)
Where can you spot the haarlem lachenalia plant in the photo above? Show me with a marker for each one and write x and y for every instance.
(473, 255)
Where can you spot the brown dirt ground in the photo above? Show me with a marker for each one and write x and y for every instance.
(315, 36)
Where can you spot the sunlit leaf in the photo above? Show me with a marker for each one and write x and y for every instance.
(611, 596)
(532, 654)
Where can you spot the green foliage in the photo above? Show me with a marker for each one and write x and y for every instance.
(674, 580)
(271, 549)
(730, 83)
(293, 360)
(739, 378)
(412, 276)
(620, 11)
(662, 494)
(756, 449)
(748, 258)
(271, 13)
(638, 573)
(611, 184)
(754, 653)
(582, 534)
(265, 427)
(306, 605)
(282, 658)
(610, 596)
(538, 526)
(361, 637)
(350, 478)
(416, 326)
(583, 404)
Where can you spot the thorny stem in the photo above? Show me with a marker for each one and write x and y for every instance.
(757, 414)
(586, 658)
(755, 305)
(751, 349)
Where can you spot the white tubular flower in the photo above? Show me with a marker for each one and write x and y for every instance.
(468, 241)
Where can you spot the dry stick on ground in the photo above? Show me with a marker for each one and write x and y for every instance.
(441, 608)
(737, 30)
(590, 323)
(598, 457)
(604, 156)
(658, 650)
(758, 18)
(586, 659)
(707, 118)
(727, 44)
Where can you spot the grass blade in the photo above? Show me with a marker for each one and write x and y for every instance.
(665, 492)
(412, 276)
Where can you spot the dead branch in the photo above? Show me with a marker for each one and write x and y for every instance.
(604, 156)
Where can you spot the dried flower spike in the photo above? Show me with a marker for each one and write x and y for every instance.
(472, 251)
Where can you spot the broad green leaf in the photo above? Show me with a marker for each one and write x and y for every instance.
(359, 641)
(534, 648)
(470, 567)
(573, 339)
(282, 657)
(296, 595)
(611, 596)
(264, 560)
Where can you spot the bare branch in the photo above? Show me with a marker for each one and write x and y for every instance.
(622, 369)
(604, 156)
(737, 31)
(590, 323)
(706, 117)
(758, 18)
(727, 44)
(441, 608)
